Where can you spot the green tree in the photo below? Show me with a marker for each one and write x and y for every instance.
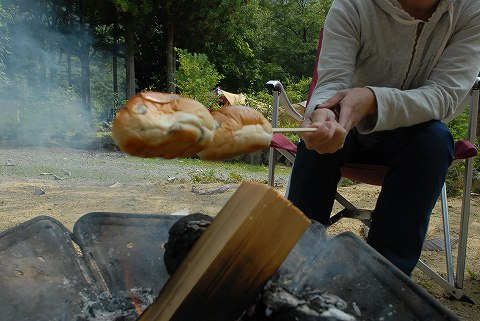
(217, 29)
(286, 37)
(128, 16)
(197, 77)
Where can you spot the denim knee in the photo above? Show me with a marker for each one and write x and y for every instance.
(434, 140)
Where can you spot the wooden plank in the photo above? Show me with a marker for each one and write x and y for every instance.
(232, 261)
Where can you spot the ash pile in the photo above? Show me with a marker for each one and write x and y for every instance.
(122, 306)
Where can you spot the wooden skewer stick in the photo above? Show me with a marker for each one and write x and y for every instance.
(293, 130)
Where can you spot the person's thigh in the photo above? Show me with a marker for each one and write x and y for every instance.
(423, 143)
(314, 179)
(418, 158)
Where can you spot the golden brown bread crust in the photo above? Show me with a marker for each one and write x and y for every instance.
(240, 130)
(163, 125)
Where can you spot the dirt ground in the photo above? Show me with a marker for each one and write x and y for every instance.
(66, 184)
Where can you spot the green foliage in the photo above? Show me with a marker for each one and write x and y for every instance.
(197, 77)
(459, 129)
(454, 181)
(459, 125)
(235, 178)
(105, 103)
(248, 42)
(284, 37)
(134, 8)
(204, 177)
(298, 91)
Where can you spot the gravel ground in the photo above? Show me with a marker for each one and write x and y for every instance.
(67, 183)
(102, 166)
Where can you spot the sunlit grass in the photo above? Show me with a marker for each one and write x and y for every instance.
(131, 169)
(232, 166)
(31, 171)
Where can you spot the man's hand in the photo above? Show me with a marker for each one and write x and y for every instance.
(330, 135)
(354, 104)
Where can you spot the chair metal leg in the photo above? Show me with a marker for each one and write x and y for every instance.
(271, 155)
(455, 292)
(447, 283)
(272, 162)
(451, 284)
(271, 166)
(467, 188)
(464, 220)
(350, 211)
(446, 236)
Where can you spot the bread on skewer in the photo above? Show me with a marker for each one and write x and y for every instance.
(154, 124)
(239, 130)
(162, 125)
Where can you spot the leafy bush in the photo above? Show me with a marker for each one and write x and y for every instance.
(196, 77)
(459, 129)
(459, 125)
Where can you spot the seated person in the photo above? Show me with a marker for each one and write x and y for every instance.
(389, 72)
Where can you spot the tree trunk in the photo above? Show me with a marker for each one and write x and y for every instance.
(115, 73)
(170, 48)
(130, 57)
(170, 59)
(84, 57)
(116, 32)
(54, 71)
(69, 69)
(42, 72)
(115, 67)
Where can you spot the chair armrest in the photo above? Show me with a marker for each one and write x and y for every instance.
(276, 88)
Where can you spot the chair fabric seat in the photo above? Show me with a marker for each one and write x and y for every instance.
(464, 149)
(281, 142)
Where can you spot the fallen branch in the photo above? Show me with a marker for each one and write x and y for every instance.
(215, 190)
(58, 177)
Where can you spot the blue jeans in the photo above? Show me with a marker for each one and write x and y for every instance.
(417, 157)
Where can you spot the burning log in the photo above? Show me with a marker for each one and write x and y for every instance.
(233, 259)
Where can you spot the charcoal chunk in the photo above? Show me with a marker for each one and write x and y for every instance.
(181, 238)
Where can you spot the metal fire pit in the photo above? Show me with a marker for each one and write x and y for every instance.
(48, 273)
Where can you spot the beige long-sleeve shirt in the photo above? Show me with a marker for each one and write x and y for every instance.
(418, 70)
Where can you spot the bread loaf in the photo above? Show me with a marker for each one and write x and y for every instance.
(239, 130)
(162, 125)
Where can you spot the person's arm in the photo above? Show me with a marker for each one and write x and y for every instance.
(341, 43)
(447, 86)
(337, 60)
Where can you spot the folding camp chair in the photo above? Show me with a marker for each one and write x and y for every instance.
(465, 150)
